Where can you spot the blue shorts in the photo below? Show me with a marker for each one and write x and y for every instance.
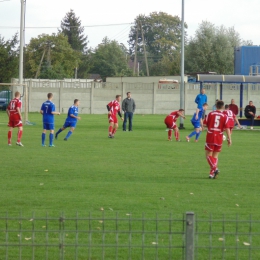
(196, 124)
(48, 126)
(69, 124)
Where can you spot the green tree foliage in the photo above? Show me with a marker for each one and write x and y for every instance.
(162, 38)
(212, 49)
(9, 59)
(50, 56)
(71, 27)
(109, 60)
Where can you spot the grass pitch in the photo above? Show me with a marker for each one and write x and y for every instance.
(136, 172)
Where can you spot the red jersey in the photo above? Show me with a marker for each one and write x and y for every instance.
(12, 108)
(114, 107)
(173, 116)
(231, 118)
(216, 122)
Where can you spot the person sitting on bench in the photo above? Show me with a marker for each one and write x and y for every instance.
(250, 111)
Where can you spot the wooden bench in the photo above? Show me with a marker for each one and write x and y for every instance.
(246, 121)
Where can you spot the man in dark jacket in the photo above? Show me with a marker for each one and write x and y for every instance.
(250, 111)
(128, 106)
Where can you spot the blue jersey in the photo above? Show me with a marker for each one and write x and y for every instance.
(201, 99)
(199, 115)
(48, 107)
(73, 110)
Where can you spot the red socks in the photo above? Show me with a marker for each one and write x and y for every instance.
(110, 129)
(19, 135)
(170, 134)
(114, 131)
(176, 134)
(212, 162)
(9, 135)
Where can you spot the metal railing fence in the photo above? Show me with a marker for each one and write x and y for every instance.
(113, 236)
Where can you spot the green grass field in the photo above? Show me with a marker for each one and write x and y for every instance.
(136, 172)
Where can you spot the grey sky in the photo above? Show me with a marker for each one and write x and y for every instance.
(243, 15)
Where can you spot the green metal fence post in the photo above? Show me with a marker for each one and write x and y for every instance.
(190, 228)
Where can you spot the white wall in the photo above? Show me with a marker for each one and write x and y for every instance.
(149, 97)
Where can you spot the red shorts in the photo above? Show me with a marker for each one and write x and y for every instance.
(170, 123)
(213, 147)
(15, 123)
(112, 119)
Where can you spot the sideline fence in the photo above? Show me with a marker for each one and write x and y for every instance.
(112, 236)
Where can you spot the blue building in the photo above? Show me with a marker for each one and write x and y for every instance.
(247, 60)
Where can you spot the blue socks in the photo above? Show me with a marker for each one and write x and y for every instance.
(60, 130)
(68, 134)
(192, 134)
(51, 138)
(197, 135)
(43, 138)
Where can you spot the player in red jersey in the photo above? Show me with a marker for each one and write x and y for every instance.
(231, 118)
(170, 122)
(113, 108)
(15, 118)
(216, 123)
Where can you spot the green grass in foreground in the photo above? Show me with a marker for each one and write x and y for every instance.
(127, 174)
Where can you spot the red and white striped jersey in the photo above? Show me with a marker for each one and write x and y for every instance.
(114, 106)
(231, 117)
(216, 122)
(12, 108)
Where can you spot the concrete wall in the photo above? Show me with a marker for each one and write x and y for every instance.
(149, 97)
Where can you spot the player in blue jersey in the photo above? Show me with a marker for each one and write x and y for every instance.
(197, 122)
(71, 120)
(48, 112)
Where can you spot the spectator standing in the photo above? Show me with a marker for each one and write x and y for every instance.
(15, 118)
(201, 99)
(214, 107)
(113, 108)
(233, 107)
(48, 112)
(128, 106)
(216, 123)
(170, 121)
(71, 120)
(250, 111)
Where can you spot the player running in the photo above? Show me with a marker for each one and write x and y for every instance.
(231, 118)
(113, 108)
(48, 112)
(216, 122)
(197, 122)
(15, 118)
(71, 120)
(170, 122)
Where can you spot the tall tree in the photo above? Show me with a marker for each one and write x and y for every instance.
(162, 37)
(71, 27)
(50, 56)
(212, 49)
(109, 60)
(9, 58)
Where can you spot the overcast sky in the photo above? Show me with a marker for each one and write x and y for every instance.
(243, 15)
